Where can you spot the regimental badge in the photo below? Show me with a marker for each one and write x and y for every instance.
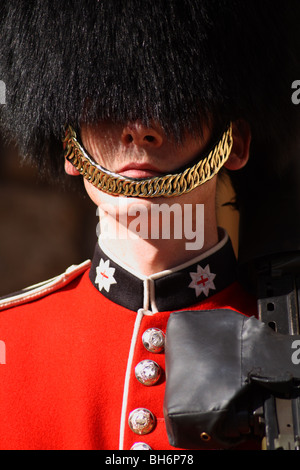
(105, 275)
(202, 280)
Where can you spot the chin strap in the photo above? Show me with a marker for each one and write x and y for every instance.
(168, 185)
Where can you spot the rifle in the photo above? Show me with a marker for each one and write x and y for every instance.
(270, 264)
(278, 305)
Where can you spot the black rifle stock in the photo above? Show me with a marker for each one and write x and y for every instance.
(269, 248)
(278, 306)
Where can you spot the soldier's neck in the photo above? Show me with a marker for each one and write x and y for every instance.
(148, 248)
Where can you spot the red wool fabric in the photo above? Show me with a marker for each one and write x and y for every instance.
(66, 357)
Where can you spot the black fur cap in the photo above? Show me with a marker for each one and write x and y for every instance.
(175, 61)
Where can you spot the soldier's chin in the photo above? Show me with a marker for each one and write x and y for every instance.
(113, 202)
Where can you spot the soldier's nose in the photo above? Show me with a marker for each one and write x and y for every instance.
(142, 136)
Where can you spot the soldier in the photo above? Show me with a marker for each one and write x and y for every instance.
(152, 100)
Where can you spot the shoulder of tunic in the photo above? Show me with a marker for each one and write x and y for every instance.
(44, 288)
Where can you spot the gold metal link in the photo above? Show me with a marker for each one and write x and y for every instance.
(161, 186)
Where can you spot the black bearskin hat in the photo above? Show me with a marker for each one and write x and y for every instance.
(178, 62)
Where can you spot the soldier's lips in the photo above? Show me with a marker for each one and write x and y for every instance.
(139, 170)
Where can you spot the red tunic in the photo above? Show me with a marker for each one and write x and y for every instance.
(69, 352)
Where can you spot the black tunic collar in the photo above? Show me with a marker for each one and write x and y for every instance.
(172, 289)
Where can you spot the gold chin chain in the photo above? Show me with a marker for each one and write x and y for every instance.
(168, 185)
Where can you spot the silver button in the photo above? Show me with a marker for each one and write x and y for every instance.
(141, 421)
(147, 372)
(154, 340)
(140, 446)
